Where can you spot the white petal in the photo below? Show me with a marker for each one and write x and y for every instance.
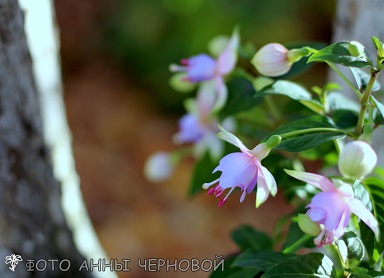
(265, 184)
(230, 138)
(357, 207)
(221, 94)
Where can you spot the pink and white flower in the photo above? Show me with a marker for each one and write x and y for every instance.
(357, 160)
(200, 127)
(244, 170)
(272, 60)
(210, 72)
(332, 207)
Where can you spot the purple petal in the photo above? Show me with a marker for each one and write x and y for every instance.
(237, 170)
(317, 215)
(200, 68)
(319, 181)
(333, 203)
(364, 214)
(191, 129)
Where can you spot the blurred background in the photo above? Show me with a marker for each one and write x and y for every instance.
(115, 56)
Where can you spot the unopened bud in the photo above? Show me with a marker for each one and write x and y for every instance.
(357, 159)
(271, 60)
(158, 167)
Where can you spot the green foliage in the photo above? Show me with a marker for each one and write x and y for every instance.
(379, 106)
(240, 97)
(344, 53)
(375, 187)
(325, 131)
(305, 266)
(355, 249)
(293, 91)
(362, 79)
(259, 259)
(247, 237)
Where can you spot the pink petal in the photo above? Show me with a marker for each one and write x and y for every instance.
(230, 138)
(237, 170)
(318, 181)
(364, 214)
(228, 57)
(206, 97)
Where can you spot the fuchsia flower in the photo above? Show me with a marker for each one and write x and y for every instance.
(209, 72)
(199, 127)
(332, 208)
(244, 170)
(272, 60)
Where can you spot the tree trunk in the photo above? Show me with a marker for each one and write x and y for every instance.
(32, 223)
(360, 20)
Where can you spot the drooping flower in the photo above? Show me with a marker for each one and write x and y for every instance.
(210, 72)
(159, 166)
(244, 170)
(332, 207)
(357, 159)
(199, 127)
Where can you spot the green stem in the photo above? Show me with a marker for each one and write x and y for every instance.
(297, 245)
(364, 104)
(272, 107)
(354, 89)
(309, 130)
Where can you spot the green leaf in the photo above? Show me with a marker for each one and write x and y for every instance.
(310, 265)
(246, 237)
(202, 173)
(260, 260)
(233, 272)
(240, 97)
(379, 46)
(310, 139)
(375, 187)
(338, 101)
(379, 106)
(362, 79)
(367, 236)
(294, 236)
(344, 53)
(367, 274)
(355, 248)
(286, 88)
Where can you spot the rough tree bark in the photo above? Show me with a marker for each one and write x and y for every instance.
(32, 223)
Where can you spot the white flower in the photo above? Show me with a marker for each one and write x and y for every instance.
(159, 167)
(357, 159)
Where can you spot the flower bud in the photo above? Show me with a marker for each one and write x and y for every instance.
(357, 159)
(158, 167)
(271, 60)
(308, 226)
